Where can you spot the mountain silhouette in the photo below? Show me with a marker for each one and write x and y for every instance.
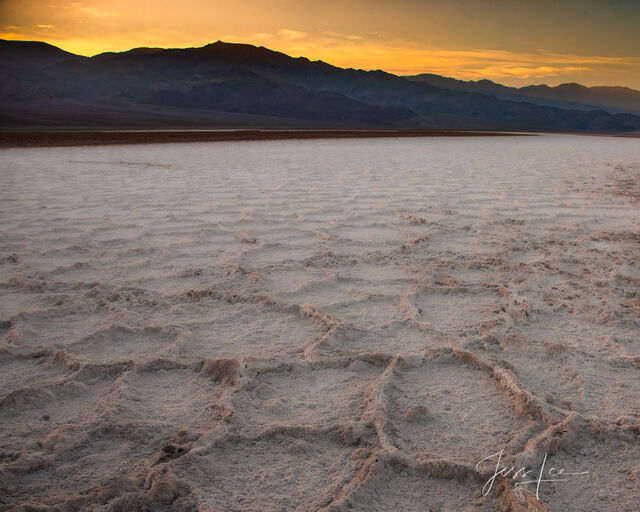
(240, 85)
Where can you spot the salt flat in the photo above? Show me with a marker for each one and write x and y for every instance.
(321, 325)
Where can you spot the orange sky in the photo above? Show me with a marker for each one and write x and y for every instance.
(515, 42)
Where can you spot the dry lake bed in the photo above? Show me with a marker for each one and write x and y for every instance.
(411, 324)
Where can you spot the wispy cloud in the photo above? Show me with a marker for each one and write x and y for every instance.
(291, 35)
(93, 12)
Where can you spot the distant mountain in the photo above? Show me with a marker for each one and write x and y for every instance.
(238, 85)
(21, 63)
(27, 54)
(570, 95)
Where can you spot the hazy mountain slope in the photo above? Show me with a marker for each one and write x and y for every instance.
(571, 95)
(610, 98)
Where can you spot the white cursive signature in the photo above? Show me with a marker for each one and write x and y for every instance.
(554, 474)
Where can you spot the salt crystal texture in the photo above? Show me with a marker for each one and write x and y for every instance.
(320, 325)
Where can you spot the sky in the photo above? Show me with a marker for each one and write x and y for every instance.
(514, 42)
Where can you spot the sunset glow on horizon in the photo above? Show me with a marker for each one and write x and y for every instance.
(593, 42)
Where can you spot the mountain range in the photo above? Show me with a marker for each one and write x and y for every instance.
(569, 95)
(225, 85)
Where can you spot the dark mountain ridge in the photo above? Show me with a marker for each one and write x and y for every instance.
(242, 79)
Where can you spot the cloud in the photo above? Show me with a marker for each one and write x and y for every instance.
(523, 71)
(291, 35)
(93, 12)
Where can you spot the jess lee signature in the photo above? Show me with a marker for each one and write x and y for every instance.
(552, 475)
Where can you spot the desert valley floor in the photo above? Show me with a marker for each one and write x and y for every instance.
(323, 325)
